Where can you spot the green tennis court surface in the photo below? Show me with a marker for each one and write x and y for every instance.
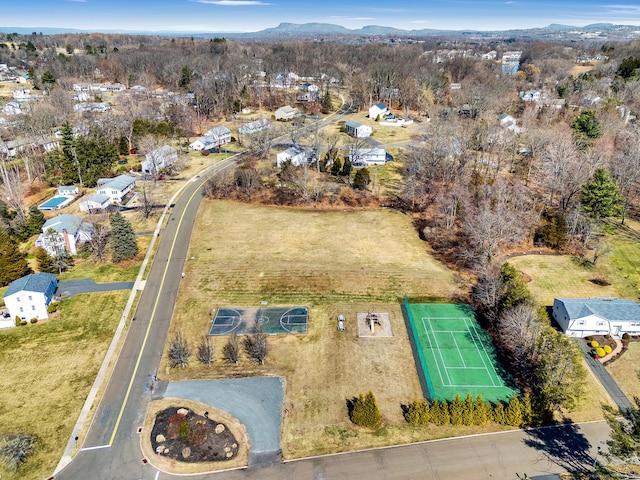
(273, 321)
(456, 354)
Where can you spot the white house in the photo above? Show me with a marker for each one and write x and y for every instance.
(13, 108)
(116, 188)
(378, 109)
(286, 113)
(296, 154)
(531, 96)
(28, 297)
(309, 87)
(221, 135)
(367, 156)
(203, 143)
(21, 93)
(253, 127)
(67, 190)
(64, 232)
(95, 203)
(508, 122)
(581, 317)
(357, 129)
(158, 159)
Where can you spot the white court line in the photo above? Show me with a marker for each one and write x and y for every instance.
(464, 365)
(157, 475)
(500, 384)
(444, 364)
(466, 368)
(94, 448)
(480, 355)
(424, 326)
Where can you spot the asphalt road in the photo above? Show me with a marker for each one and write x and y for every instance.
(111, 449)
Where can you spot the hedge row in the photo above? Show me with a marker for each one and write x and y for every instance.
(517, 412)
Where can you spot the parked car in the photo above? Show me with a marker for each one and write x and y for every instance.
(594, 354)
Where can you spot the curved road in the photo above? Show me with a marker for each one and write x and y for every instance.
(111, 449)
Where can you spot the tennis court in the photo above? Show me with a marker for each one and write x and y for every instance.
(455, 353)
(273, 321)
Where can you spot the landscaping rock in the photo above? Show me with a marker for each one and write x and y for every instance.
(160, 438)
(183, 411)
(186, 452)
(219, 428)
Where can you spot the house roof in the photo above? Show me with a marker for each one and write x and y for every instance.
(287, 109)
(67, 188)
(118, 183)
(606, 308)
(34, 282)
(381, 106)
(353, 124)
(98, 198)
(219, 131)
(64, 221)
(164, 150)
(504, 116)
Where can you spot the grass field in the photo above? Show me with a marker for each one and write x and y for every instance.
(48, 370)
(334, 262)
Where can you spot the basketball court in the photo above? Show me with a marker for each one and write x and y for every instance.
(456, 354)
(273, 321)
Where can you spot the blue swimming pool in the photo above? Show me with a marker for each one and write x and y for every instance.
(55, 203)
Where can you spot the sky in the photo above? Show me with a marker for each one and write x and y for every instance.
(253, 15)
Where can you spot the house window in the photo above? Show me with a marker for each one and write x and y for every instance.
(581, 322)
(21, 310)
(18, 299)
(600, 324)
(30, 297)
(33, 308)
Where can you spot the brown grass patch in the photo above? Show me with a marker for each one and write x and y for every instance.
(625, 371)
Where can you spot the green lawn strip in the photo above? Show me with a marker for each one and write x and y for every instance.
(48, 371)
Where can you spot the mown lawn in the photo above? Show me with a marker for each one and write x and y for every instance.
(48, 370)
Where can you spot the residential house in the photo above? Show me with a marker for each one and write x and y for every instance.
(28, 297)
(296, 155)
(581, 317)
(368, 155)
(21, 94)
(13, 108)
(511, 62)
(158, 159)
(508, 122)
(221, 135)
(64, 232)
(67, 190)
(203, 143)
(286, 113)
(591, 101)
(531, 96)
(81, 97)
(492, 55)
(255, 126)
(309, 87)
(90, 107)
(378, 109)
(357, 129)
(95, 203)
(116, 188)
(307, 97)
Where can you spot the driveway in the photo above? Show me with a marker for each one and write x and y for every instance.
(68, 288)
(255, 401)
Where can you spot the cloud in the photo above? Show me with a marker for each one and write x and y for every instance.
(233, 3)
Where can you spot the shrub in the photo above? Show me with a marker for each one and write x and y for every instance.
(23, 323)
(183, 430)
(625, 336)
(15, 448)
(34, 320)
(595, 344)
(198, 434)
(365, 411)
(600, 352)
(18, 321)
(418, 413)
(173, 425)
(53, 307)
(607, 336)
(589, 338)
(607, 349)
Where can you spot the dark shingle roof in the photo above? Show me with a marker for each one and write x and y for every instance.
(34, 282)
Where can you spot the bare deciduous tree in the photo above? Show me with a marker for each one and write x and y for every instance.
(231, 349)
(256, 345)
(179, 352)
(206, 351)
(15, 448)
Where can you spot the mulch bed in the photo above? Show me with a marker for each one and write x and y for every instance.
(183, 435)
(602, 340)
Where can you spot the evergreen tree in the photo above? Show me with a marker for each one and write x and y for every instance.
(361, 179)
(468, 411)
(435, 412)
(365, 411)
(527, 410)
(123, 239)
(95, 156)
(514, 412)
(444, 412)
(482, 411)
(336, 167)
(13, 263)
(499, 415)
(48, 79)
(600, 195)
(587, 125)
(327, 104)
(346, 168)
(418, 413)
(32, 226)
(61, 166)
(185, 77)
(514, 290)
(45, 262)
(455, 411)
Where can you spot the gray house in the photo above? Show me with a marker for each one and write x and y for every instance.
(581, 317)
